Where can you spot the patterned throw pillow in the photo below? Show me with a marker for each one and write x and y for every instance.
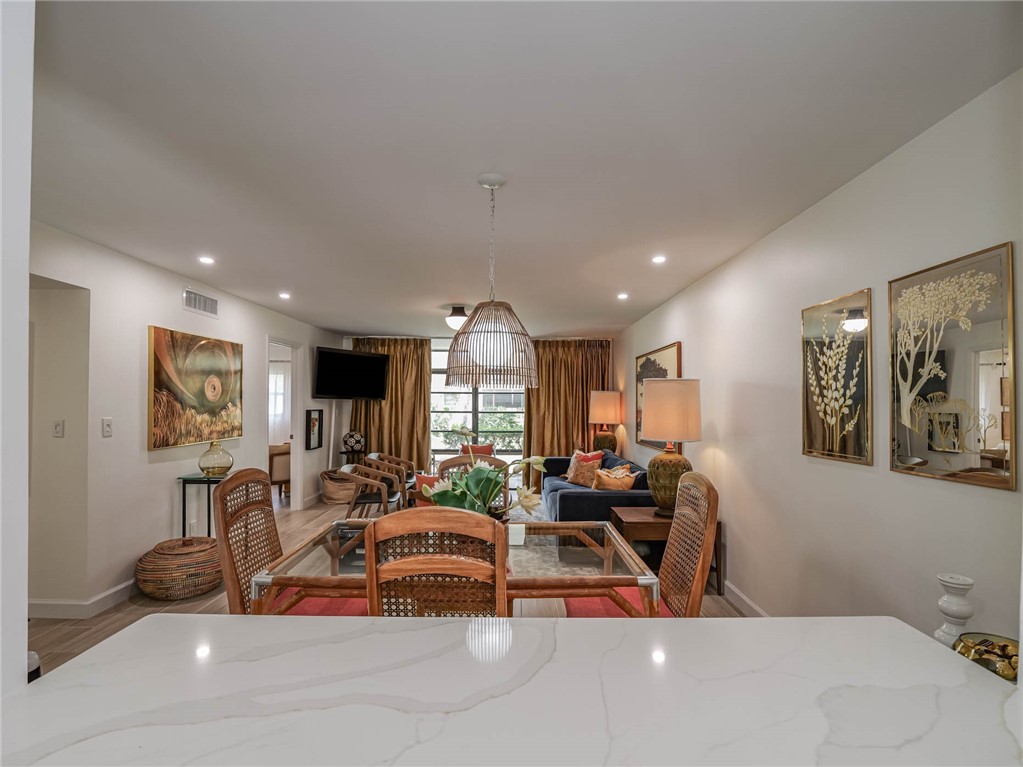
(425, 480)
(618, 478)
(478, 449)
(583, 467)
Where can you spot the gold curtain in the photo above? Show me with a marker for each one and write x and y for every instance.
(557, 411)
(399, 424)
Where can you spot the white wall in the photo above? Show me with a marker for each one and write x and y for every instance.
(58, 467)
(807, 536)
(134, 496)
(17, 38)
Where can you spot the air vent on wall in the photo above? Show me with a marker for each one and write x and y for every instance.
(192, 301)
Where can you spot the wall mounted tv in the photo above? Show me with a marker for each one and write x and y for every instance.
(344, 374)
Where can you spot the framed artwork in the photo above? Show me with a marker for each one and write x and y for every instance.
(195, 389)
(665, 362)
(837, 422)
(952, 386)
(313, 429)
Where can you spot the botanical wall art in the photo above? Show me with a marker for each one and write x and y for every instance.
(837, 420)
(195, 388)
(952, 379)
(665, 362)
(313, 429)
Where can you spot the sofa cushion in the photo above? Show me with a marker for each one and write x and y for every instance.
(610, 461)
(614, 479)
(551, 487)
(583, 467)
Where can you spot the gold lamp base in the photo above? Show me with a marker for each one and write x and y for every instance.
(605, 440)
(663, 474)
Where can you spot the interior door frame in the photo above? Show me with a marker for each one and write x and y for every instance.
(298, 384)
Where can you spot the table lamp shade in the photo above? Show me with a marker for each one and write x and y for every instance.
(671, 409)
(605, 408)
(671, 413)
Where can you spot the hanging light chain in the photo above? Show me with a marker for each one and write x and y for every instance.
(493, 205)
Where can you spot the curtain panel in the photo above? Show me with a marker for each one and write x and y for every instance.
(399, 424)
(557, 411)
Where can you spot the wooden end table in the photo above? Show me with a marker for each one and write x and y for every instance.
(640, 523)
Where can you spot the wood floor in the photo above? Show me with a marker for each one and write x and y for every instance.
(59, 640)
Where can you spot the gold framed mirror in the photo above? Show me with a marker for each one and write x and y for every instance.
(952, 370)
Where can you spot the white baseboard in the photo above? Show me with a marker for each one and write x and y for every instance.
(70, 608)
(743, 603)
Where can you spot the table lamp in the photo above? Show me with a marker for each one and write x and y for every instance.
(671, 413)
(605, 409)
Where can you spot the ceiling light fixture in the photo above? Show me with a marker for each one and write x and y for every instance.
(206, 260)
(284, 295)
(492, 348)
(660, 258)
(622, 296)
(457, 317)
(855, 321)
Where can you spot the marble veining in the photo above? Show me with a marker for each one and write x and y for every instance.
(215, 689)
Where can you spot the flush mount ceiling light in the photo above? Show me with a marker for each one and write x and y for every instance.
(206, 260)
(660, 258)
(457, 317)
(492, 348)
(622, 296)
(284, 295)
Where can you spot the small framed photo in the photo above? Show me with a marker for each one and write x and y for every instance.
(313, 429)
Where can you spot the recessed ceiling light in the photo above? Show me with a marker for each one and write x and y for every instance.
(284, 295)
(660, 258)
(622, 296)
(206, 260)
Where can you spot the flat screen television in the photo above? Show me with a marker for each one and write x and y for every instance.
(344, 374)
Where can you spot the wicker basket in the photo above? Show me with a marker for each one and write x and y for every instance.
(335, 490)
(179, 568)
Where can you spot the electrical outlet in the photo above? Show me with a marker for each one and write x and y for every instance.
(58, 428)
(108, 426)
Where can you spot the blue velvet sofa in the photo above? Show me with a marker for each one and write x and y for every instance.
(566, 502)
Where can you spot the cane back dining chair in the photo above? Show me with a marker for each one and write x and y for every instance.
(436, 561)
(460, 463)
(686, 562)
(248, 542)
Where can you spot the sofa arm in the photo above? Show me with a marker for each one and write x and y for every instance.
(554, 467)
(586, 505)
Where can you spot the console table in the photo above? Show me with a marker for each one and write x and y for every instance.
(249, 689)
(641, 523)
(198, 479)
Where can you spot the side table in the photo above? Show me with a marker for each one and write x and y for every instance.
(640, 523)
(198, 479)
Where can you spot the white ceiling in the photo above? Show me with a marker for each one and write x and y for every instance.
(332, 150)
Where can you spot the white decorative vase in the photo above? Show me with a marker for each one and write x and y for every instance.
(954, 606)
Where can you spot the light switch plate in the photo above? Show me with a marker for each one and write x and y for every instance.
(58, 428)
(108, 426)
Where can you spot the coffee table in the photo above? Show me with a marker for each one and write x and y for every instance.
(546, 559)
(642, 523)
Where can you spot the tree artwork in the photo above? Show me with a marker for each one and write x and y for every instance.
(832, 393)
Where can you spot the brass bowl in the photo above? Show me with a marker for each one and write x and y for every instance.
(995, 653)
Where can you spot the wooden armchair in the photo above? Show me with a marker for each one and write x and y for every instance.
(436, 562)
(359, 489)
(404, 480)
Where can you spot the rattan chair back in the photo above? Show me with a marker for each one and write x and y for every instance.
(247, 538)
(436, 561)
(690, 547)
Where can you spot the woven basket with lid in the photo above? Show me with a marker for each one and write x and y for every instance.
(179, 568)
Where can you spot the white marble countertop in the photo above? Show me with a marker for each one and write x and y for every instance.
(219, 689)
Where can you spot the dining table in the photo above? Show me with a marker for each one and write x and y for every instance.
(546, 560)
(308, 690)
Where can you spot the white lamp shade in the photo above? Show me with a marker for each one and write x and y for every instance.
(671, 409)
(605, 407)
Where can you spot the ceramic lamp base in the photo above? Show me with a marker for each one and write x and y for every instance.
(605, 440)
(663, 474)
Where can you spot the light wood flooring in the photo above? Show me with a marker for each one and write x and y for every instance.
(59, 640)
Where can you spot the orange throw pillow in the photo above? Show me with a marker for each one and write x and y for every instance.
(425, 480)
(478, 449)
(583, 467)
(614, 479)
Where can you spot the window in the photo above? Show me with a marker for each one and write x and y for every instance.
(276, 404)
(495, 415)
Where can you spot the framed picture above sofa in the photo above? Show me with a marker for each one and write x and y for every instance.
(665, 362)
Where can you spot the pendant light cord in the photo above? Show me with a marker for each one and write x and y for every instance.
(493, 205)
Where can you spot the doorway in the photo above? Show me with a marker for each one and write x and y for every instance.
(280, 428)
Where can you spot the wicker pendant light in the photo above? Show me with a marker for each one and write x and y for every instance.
(492, 349)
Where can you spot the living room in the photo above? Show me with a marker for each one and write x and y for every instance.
(682, 182)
